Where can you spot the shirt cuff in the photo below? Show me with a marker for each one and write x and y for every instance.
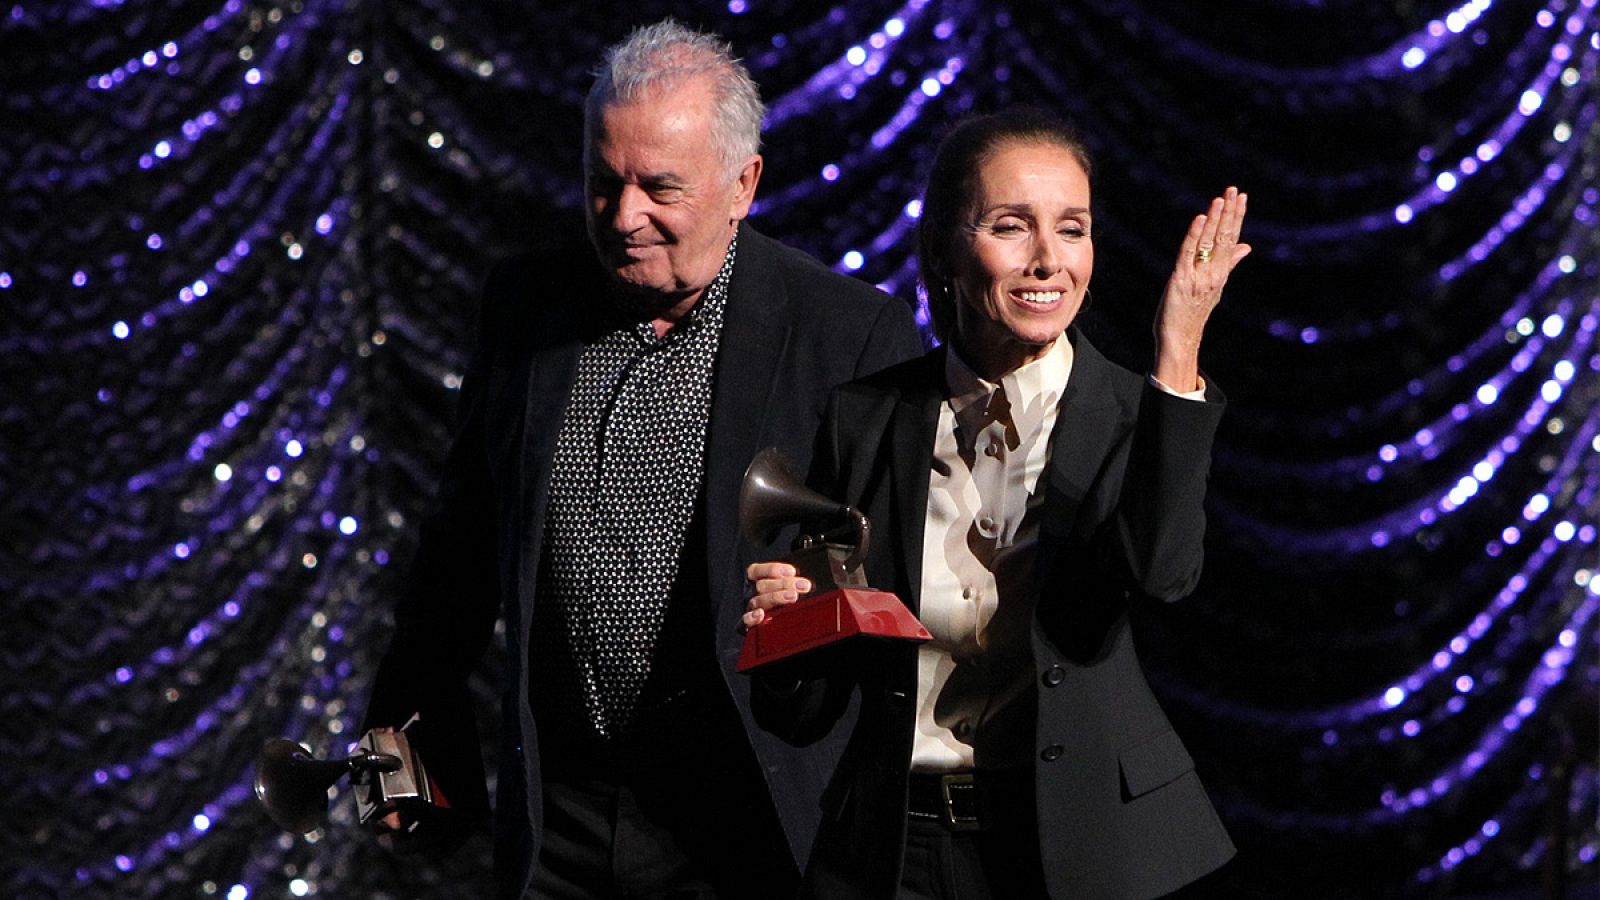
(1196, 394)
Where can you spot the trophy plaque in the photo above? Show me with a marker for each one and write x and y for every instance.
(292, 785)
(829, 551)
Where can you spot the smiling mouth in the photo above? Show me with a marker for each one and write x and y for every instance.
(1040, 298)
(632, 251)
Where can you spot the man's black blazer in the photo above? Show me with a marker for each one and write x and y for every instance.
(1121, 812)
(792, 331)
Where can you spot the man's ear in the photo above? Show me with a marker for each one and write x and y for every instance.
(744, 191)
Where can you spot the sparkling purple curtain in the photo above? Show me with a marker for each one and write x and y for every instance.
(239, 249)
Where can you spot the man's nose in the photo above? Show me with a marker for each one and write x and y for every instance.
(632, 206)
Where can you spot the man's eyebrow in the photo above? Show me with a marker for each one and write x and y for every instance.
(661, 179)
(669, 179)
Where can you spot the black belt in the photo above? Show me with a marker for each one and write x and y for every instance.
(968, 801)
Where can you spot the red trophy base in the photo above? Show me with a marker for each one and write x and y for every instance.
(814, 622)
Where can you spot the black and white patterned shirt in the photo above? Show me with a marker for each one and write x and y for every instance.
(625, 482)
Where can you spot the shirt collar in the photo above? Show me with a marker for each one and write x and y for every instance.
(1037, 385)
(706, 312)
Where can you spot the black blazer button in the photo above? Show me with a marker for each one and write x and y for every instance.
(1054, 676)
(1051, 753)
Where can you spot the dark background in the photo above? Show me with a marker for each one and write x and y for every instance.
(239, 251)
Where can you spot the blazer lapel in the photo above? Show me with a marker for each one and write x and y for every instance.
(755, 335)
(551, 375)
(910, 442)
(1086, 427)
(552, 372)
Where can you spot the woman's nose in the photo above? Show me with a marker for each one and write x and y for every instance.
(1046, 256)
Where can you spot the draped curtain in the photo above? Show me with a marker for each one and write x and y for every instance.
(240, 242)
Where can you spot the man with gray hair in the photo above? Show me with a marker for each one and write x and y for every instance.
(590, 499)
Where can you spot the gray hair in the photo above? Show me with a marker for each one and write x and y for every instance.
(667, 53)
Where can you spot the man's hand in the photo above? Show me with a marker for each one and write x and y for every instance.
(414, 825)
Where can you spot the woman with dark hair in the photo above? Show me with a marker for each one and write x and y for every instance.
(1027, 492)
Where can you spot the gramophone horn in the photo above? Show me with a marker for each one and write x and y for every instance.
(293, 785)
(772, 497)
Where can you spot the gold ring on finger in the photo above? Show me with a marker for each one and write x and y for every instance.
(1203, 254)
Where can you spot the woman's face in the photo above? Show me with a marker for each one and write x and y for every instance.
(1022, 268)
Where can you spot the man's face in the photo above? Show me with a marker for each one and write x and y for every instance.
(661, 204)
